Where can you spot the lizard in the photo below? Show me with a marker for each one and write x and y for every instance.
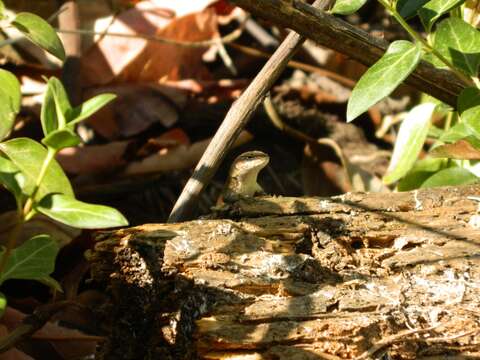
(242, 177)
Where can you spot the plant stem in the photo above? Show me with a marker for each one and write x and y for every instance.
(417, 37)
(26, 213)
(46, 162)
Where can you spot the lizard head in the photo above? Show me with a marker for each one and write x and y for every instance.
(249, 162)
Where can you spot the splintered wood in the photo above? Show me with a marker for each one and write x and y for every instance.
(355, 276)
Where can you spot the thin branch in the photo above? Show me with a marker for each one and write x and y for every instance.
(235, 120)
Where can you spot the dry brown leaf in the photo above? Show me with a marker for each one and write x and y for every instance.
(178, 158)
(136, 108)
(120, 59)
(68, 343)
(94, 158)
(462, 150)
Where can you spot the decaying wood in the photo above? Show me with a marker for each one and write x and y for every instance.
(353, 276)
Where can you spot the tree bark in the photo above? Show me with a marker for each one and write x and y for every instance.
(336, 34)
(353, 276)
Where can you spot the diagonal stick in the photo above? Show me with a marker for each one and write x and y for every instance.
(234, 122)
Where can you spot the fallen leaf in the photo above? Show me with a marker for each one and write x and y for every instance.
(136, 108)
(462, 150)
(120, 59)
(178, 158)
(93, 158)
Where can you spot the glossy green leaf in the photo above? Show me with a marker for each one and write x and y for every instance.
(455, 133)
(468, 98)
(409, 8)
(39, 32)
(60, 139)
(88, 108)
(67, 210)
(9, 101)
(411, 137)
(421, 171)
(453, 176)
(28, 156)
(432, 11)
(383, 77)
(51, 283)
(11, 177)
(471, 120)
(55, 107)
(34, 259)
(459, 43)
(3, 304)
(347, 7)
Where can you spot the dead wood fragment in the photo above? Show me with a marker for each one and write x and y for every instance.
(353, 276)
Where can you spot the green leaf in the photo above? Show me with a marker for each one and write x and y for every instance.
(455, 133)
(468, 98)
(67, 210)
(55, 107)
(62, 138)
(3, 304)
(421, 171)
(408, 8)
(9, 101)
(39, 32)
(28, 156)
(88, 108)
(459, 43)
(347, 7)
(471, 120)
(11, 177)
(432, 11)
(51, 283)
(452, 176)
(411, 137)
(34, 259)
(383, 77)
(2, 10)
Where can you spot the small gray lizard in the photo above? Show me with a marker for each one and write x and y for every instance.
(242, 178)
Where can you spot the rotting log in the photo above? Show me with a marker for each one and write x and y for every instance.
(353, 276)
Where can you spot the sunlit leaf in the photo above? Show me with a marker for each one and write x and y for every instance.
(471, 120)
(432, 11)
(453, 176)
(465, 149)
(3, 304)
(9, 101)
(411, 137)
(455, 133)
(34, 259)
(11, 177)
(421, 171)
(28, 156)
(39, 32)
(347, 7)
(67, 210)
(383, 77)
(55, 106)
(459, 43)
(88, 108)
(60, 139)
